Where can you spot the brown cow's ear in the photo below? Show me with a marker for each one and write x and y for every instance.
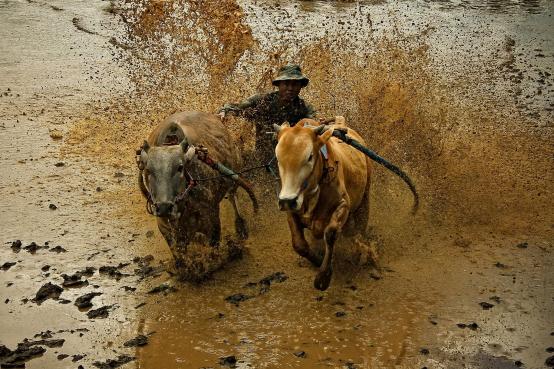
(325, 136)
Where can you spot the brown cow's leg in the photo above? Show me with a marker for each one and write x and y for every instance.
(336, 223)
(299, 242)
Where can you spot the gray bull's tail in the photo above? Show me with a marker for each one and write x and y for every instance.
(341, 134)
(240, 181)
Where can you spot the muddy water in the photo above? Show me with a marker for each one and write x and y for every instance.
(457, 93)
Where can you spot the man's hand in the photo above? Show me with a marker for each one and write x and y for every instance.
(221, 115)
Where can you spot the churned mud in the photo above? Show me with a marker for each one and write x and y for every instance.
(458, 94)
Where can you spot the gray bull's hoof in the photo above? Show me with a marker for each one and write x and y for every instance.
(323, 279)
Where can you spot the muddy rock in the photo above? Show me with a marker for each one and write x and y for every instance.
(163, 288)
(7, 265)
(100, 313)
(550, 349)
(45, 342)
(62, 356)
(58, 249)
(112, 272)
(33, 247)
(52, 207)
(229, 361)
(77, 357)
(340, 314)
(522, 245)
(88, 271)
(17, 358)
(73, 281)
(300, 354)
(486, 305)
(550, 362)
(111, 363)
(48, 291)
(45, 268)
(473, 326)
(140, 340)
(84, 302)
(16, 246)
(237, 298)
(424, 351)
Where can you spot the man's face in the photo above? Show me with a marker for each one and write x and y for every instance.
(288, 90)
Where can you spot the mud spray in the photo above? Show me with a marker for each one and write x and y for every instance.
(477, 144)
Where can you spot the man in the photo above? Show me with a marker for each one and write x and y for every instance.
(283, 105)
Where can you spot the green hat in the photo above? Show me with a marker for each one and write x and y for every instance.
(291, 72)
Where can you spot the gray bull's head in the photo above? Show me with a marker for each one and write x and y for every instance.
(164, 175)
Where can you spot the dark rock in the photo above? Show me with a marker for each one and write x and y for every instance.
(424, 351)
(33, 247)
(52, 207)
(47, 342)
(4, 351)
(77, 357)
(300, 354)
(58, 249)
(62, 356)
(48, 291)
(45, 268)
(44, 335)
(99, 313)
(113, 272)
(129, 289)
(139, 340)
(550, 349)
(486, 305)
(518, 363)
(88, 271)
(60, 164)
(73, 281)
(16, 246)
(550, 362)
(496, 299)
(472, 326)
(64, 301)
(237, 298)
(7, 265)
(500, 265)
(111, 364)
(165, 288)
(522, 245)
(229, 361)
(17, 358)
(118, 175)
(340, 314)
(140, 305)
(84, 302)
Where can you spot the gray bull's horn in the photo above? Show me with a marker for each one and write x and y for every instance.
(240, 181)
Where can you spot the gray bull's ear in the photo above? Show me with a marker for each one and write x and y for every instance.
(145, 146)
(184, 144)
(144, 154)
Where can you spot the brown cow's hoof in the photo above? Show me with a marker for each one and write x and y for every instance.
(322, 281)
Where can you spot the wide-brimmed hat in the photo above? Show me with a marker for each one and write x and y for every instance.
(291, 72)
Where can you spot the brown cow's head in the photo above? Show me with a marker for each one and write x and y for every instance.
(300, 164)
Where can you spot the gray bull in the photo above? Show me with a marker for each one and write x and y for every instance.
(169, 167)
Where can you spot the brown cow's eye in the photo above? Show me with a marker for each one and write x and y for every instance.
(311, 157)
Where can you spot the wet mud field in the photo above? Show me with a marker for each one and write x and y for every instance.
(458, 94)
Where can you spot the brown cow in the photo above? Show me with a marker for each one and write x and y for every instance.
(321, 188)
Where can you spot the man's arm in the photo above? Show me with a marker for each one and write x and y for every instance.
(240, 108)
(310, 111)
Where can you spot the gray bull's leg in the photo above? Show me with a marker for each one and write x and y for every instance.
(339, 217)
(240, 224)
(214, 226)
(299, 242)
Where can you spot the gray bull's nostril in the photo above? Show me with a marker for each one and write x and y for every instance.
(163, 209)
(288, 204)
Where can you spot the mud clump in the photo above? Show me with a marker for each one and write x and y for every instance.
(73, 281)
(237, 298)
(229, 361)
(7, 265)
(486, 305)
(48, 291)
(113, 271)
(140, 340)
(84, 302)
(58, 249)
(17, 358)
(100, 313)
(473, 326)
(163, 288)
(114, 363)
(16, 246)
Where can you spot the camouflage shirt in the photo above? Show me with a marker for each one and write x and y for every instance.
(266, 109)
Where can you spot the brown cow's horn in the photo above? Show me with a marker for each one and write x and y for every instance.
(319, 129)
